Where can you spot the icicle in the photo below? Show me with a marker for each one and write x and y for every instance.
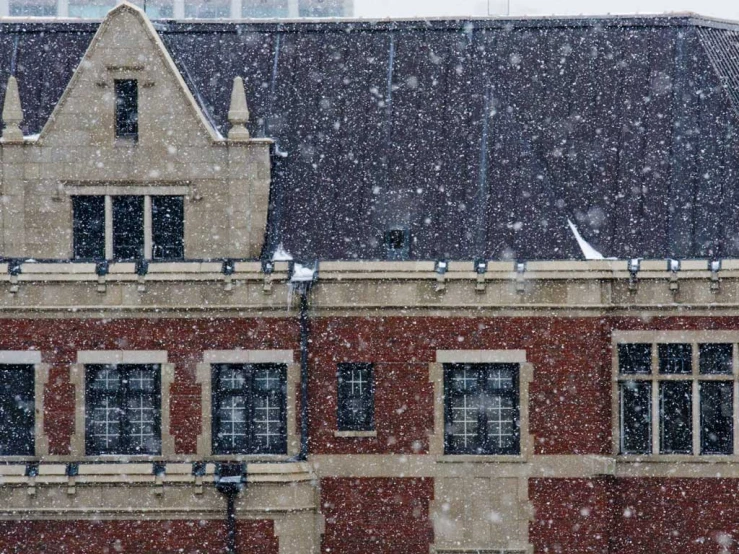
(238, 113)
(12, 113)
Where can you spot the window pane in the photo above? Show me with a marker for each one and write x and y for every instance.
(676, 359)
(636, 417)
(463, 424)
(127, 109)
(464, 379)
(88, 213)
(717, 429)
(321, 8)
(249, 409)
(208, 9)
(17, 416)
(128, 227)
(715, 359)
(167, 227)
(355, 397)
(265, 8)
(635, 359)
(93, 9)
(676, 432)
(122, 409)
(33, 8)
(502, 432)
(104, 427)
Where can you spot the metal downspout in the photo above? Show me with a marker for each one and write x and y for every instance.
(304, 340)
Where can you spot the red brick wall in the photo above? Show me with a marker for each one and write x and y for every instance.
(570, 395)
(571, 358)
(184, 339)
(693, 516)
(381, 516)
(133, 537)
(572, 516)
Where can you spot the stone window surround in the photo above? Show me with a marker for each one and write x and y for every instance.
(436, 377)
(41, 378)
(77, 378)
(203, 376)
(110, 191)
(693, 337)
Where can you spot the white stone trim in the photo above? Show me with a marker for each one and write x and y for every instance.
(24, 357)
(248, 357)
(40, 380)
(480, 356)
(203, 373)
(122, 357)
(436, 377)
(127, 190)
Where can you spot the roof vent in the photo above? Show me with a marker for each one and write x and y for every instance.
(397, 243)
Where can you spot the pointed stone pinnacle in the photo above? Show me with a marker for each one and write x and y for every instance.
(238, 113)
(12, 113)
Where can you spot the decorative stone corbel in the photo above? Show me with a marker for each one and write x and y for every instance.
(238, 113)
(12, 113)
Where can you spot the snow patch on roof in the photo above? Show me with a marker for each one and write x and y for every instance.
(588, 251)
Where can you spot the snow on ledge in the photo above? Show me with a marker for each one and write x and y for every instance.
(302, 274)
(281, 255)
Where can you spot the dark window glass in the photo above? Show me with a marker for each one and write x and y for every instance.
(127, 109)
(636, 417)
(249, 409)
(167, 227)
(356, 397)
(128, 227)
(676, 432)
(715, 359)
(88, 214)
(675, 359)
(397, 244)
(635, 359)
(717, 427)
(122, 409)
(481, 409)
(17, 416)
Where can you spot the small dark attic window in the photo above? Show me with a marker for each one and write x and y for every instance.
(127, 109)
(397, 244)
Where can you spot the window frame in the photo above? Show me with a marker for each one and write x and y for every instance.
(151, 251)
(249, 393)
(125, 369)
(657, 379)
(343, 419)
(486, 447)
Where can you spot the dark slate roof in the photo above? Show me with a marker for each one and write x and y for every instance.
(480, 136)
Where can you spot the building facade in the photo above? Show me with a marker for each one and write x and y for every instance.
(182, 9)
(266, 305)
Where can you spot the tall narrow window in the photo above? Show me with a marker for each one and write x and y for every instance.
(122, 409)
(676, 409)
(127, 109)
(168, 227)
(17, 416)
(482, 409)
(128, 227)
(356, 397)
(717, 425)
(88, 214)
(636, 417)
(249, 409)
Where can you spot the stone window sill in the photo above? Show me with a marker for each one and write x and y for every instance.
(355, 434)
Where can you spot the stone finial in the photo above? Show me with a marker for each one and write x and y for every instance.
(238, 113)
(12, 113)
